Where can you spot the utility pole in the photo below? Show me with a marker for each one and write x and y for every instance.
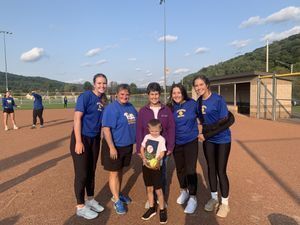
(5, 60)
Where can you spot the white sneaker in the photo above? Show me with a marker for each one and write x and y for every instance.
(223, 211)
(191, 205)
(6, 128)
(86, 213)
(211, 205)
(94, 205)
(183, 197)
(15, 127)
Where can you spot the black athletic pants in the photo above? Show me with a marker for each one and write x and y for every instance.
(186, 157)
(38, 113)
(85, 166)
(217, 157)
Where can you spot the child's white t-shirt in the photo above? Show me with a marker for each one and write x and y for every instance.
(154, 145)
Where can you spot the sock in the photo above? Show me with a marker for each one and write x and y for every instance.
(214, 195)
(224, 201)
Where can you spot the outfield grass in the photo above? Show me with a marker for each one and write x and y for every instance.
(46, 106)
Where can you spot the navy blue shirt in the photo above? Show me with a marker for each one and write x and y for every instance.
(121, 119)
(214, 109)
(186, 126)
(90, 105)
(38, 101)
(8, 103)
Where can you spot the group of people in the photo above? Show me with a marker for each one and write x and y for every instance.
(158, 131)
(8, 105)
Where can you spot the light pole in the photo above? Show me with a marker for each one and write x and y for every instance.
(4, 33)
(165, 52)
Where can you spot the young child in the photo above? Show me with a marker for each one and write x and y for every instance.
(153, 149)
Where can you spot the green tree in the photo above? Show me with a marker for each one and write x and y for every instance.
(87, 86)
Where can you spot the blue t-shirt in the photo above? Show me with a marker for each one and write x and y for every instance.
(38, 101)
(214, 109)
(122, 121)
(90, 105)
(185, 116)
(8, 103)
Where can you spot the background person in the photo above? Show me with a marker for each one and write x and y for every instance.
(212, 109)
(85, 146)
(186, 148)
(65, 102)
(119, 129)
(38, 109)
(8, 104)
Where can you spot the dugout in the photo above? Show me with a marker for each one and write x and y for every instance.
(249, 94)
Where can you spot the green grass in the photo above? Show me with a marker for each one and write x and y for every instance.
(46, 106)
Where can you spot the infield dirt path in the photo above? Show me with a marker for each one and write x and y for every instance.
(36, 177)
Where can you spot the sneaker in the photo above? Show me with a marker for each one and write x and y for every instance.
(163, 217)
(211, 205)
(86, 213)
(33, 127)
(191, 205)
(119, 207)
(94, 205)
(15, 127)
(41, 126)
(223, 211)
(183, 197)
(6, 128)
(147, 205)
(149, 213)
(123, 199)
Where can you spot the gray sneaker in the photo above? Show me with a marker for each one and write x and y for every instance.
(86, 213)
(94, 205)
(211, 205)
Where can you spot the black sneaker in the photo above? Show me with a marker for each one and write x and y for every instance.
(149, 213)
(163, 217)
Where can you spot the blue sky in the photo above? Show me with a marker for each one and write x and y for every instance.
(73, 40)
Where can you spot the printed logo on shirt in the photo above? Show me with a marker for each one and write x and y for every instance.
(8, 101)
(130, 117)
(100, 106)
(180, 113)
(203, 109)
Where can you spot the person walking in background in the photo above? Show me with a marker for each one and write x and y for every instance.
(152, 152)
(65, 102)
(186, 145)
(8, 104)
(38, 109)
(156, 110)
(119, 129)
(85, 145)
(212, 108)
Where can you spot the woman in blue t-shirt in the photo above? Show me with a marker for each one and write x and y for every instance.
(119, 128)
(186, 145)
(85, 145)
(212, 108)
(8, 104)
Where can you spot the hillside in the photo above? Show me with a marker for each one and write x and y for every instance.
(286, 50)
(24, 84)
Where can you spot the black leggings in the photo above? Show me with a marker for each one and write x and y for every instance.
(185, 157)
(85, 166)
(38, 113)
(217, 157)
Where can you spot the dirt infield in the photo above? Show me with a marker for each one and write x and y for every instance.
(36, 177)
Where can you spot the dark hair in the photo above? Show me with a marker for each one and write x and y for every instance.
(104, 99)
(183, 92)
(202, 77)
(121, 87)
(153, 86)
(154, 123)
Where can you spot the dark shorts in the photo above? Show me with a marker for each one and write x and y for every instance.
(123, 160)
(152, 178)
(8, 111)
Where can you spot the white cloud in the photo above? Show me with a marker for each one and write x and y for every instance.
(290, 13)
(131, 59)
(138, 69)
(149, 74)
(33, 55)
(93, 52)
(201, 50)
(169, 38)
(100, 62)
(279, 36)
(255, 20)
(181, 71)
(240, 43)
(187, 54)
(77, 81)
(86, 64)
